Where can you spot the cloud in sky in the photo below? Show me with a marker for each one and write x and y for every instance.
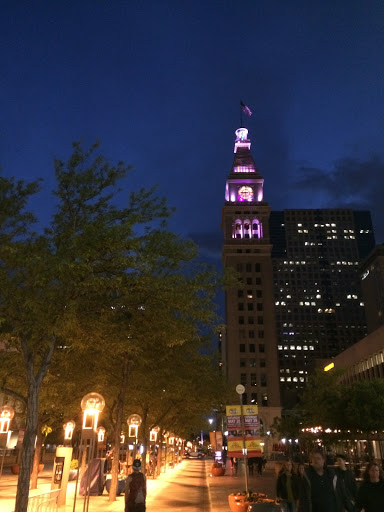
(351, 183)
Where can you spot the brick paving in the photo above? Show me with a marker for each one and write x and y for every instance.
(189, 487)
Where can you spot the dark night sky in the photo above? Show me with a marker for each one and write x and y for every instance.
(159, 83)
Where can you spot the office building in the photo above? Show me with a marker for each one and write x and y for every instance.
(319, 305)
(372, 282)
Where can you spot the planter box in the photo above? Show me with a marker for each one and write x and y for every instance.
(237, 503)
(218, 471)
(120, 486)
(15, 468)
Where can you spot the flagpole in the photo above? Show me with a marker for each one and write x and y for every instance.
(241, 115)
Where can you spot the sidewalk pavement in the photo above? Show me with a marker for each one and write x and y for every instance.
(173, 482)
(222, 486)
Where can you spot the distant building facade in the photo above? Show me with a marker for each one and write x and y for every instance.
(363, 360)
(319, 304)
(372, 282)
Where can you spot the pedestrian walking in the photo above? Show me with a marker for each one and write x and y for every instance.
(348, 479)
(327, 491)
(260, 466)
(304, 488)
(370, 496)
(286, 487)
(135, 489)
(235, 464)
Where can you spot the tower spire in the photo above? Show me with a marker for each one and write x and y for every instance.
(244, 173)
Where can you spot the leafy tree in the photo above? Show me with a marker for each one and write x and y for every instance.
(321, 400)
(54, 283)
(94, 295)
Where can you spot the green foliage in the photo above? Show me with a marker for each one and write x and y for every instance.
(101, 285)
(288, 426)
(363, 405)
(321, 401)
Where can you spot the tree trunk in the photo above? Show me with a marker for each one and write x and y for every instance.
(160, 452)
(28, 448)
(119, 421)
(144, 440)
(36, 458)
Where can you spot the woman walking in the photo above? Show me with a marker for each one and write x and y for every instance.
(370, 496)
(304, 490)
(286, 487)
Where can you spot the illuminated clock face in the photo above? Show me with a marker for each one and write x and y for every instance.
(246, 193)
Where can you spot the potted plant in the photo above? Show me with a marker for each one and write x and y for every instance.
(217, 469)
(235, 500)
(243, 502)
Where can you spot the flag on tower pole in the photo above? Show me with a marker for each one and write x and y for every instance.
(245, 109)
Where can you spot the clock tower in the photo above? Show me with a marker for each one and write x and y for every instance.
(250, 348)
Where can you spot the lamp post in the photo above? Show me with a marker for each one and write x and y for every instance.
(92, 405)
(153, 450)
(68, 427)
(134, 422)
(6, 415)
(101, 446)
(240, 390)
(62, 463)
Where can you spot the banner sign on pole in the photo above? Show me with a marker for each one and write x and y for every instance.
(251, 427)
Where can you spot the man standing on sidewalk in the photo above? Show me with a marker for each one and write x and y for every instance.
(327, 491)
(348, 478)
(135, 489)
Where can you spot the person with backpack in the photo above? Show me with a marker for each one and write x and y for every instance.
(135, 489)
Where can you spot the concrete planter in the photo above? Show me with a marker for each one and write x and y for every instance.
(236, 503)
(217, 470)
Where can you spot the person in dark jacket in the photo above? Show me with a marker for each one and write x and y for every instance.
(135, 489)
(304, 487)
(327, 491)
(348, 479)
(286, 487)
(370, 496)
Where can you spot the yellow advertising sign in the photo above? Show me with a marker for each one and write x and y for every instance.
(254, 444)
(248, 410)
(234, 446)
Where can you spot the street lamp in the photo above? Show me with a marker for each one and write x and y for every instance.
(6, 415)
(100, 434)
(240, 389)
(68, 427)
(153, 434)
(134, 422)
(92, 405)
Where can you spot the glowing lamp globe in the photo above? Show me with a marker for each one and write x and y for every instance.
(92, 405)
(6, 415)
(69, 427)
(100, 434)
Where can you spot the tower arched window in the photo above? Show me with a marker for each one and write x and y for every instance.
(238, 229)
(247, 228)
(257, 229)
